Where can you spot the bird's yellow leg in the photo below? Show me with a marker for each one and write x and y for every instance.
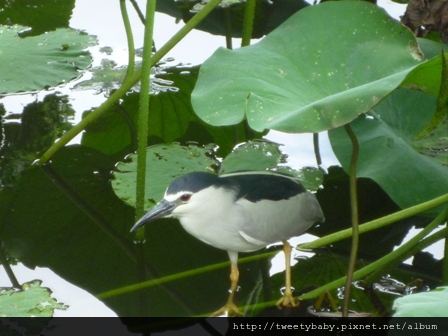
(230, 308)
(287, 300)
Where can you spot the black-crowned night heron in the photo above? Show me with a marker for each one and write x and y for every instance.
(240, 212)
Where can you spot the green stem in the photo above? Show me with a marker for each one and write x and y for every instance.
(377, 223)
(229, 28)
(428, 241)
(139, 12)
(129, 83)
(355, 219)
(142, 126)
(130, 39)
(445, 261)
(380, 262)
(402, 252)
(248, 25)
(181, 275)
(8, 268)
(317, 149)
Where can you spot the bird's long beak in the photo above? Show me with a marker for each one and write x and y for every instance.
(161, 209)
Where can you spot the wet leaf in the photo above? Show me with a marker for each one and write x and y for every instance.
(37, 62)
(163, 164)
(32, 301)
(261, 156)
(388, 154)
(429, 304)
(442, 101)
(296, 82)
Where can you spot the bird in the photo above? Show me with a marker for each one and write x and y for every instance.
(240, 212)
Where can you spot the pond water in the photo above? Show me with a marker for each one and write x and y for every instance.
(103, 19)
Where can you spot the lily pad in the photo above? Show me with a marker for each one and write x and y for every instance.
(163, 164)
(166, 162)
(32, 301)
(37, 62)
(429, 304)
(253, 155)
(262, 155)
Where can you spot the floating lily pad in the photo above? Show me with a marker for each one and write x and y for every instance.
(163, 164)
(428, 304)
(32, 301)
(37, 62)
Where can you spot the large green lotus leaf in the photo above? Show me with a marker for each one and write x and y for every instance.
(315, 72)
(36, 62)
(388, 154)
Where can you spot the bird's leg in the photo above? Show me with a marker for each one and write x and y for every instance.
(288, 299)
(230, 308)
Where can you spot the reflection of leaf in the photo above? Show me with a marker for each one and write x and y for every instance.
(171, 118)
(294, 81)
(387, 153)
(40, 125)
(228, 20)
(105, 77)
(373, 203)
(87, 228)
(33, 63)
(40, 15)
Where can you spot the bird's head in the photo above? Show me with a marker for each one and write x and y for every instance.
(185, 195)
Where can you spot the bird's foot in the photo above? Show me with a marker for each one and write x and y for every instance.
(287, 301)
(230, 308)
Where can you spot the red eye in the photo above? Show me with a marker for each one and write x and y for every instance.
(185, 197)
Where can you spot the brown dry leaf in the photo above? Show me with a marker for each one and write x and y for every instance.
(424, 16)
